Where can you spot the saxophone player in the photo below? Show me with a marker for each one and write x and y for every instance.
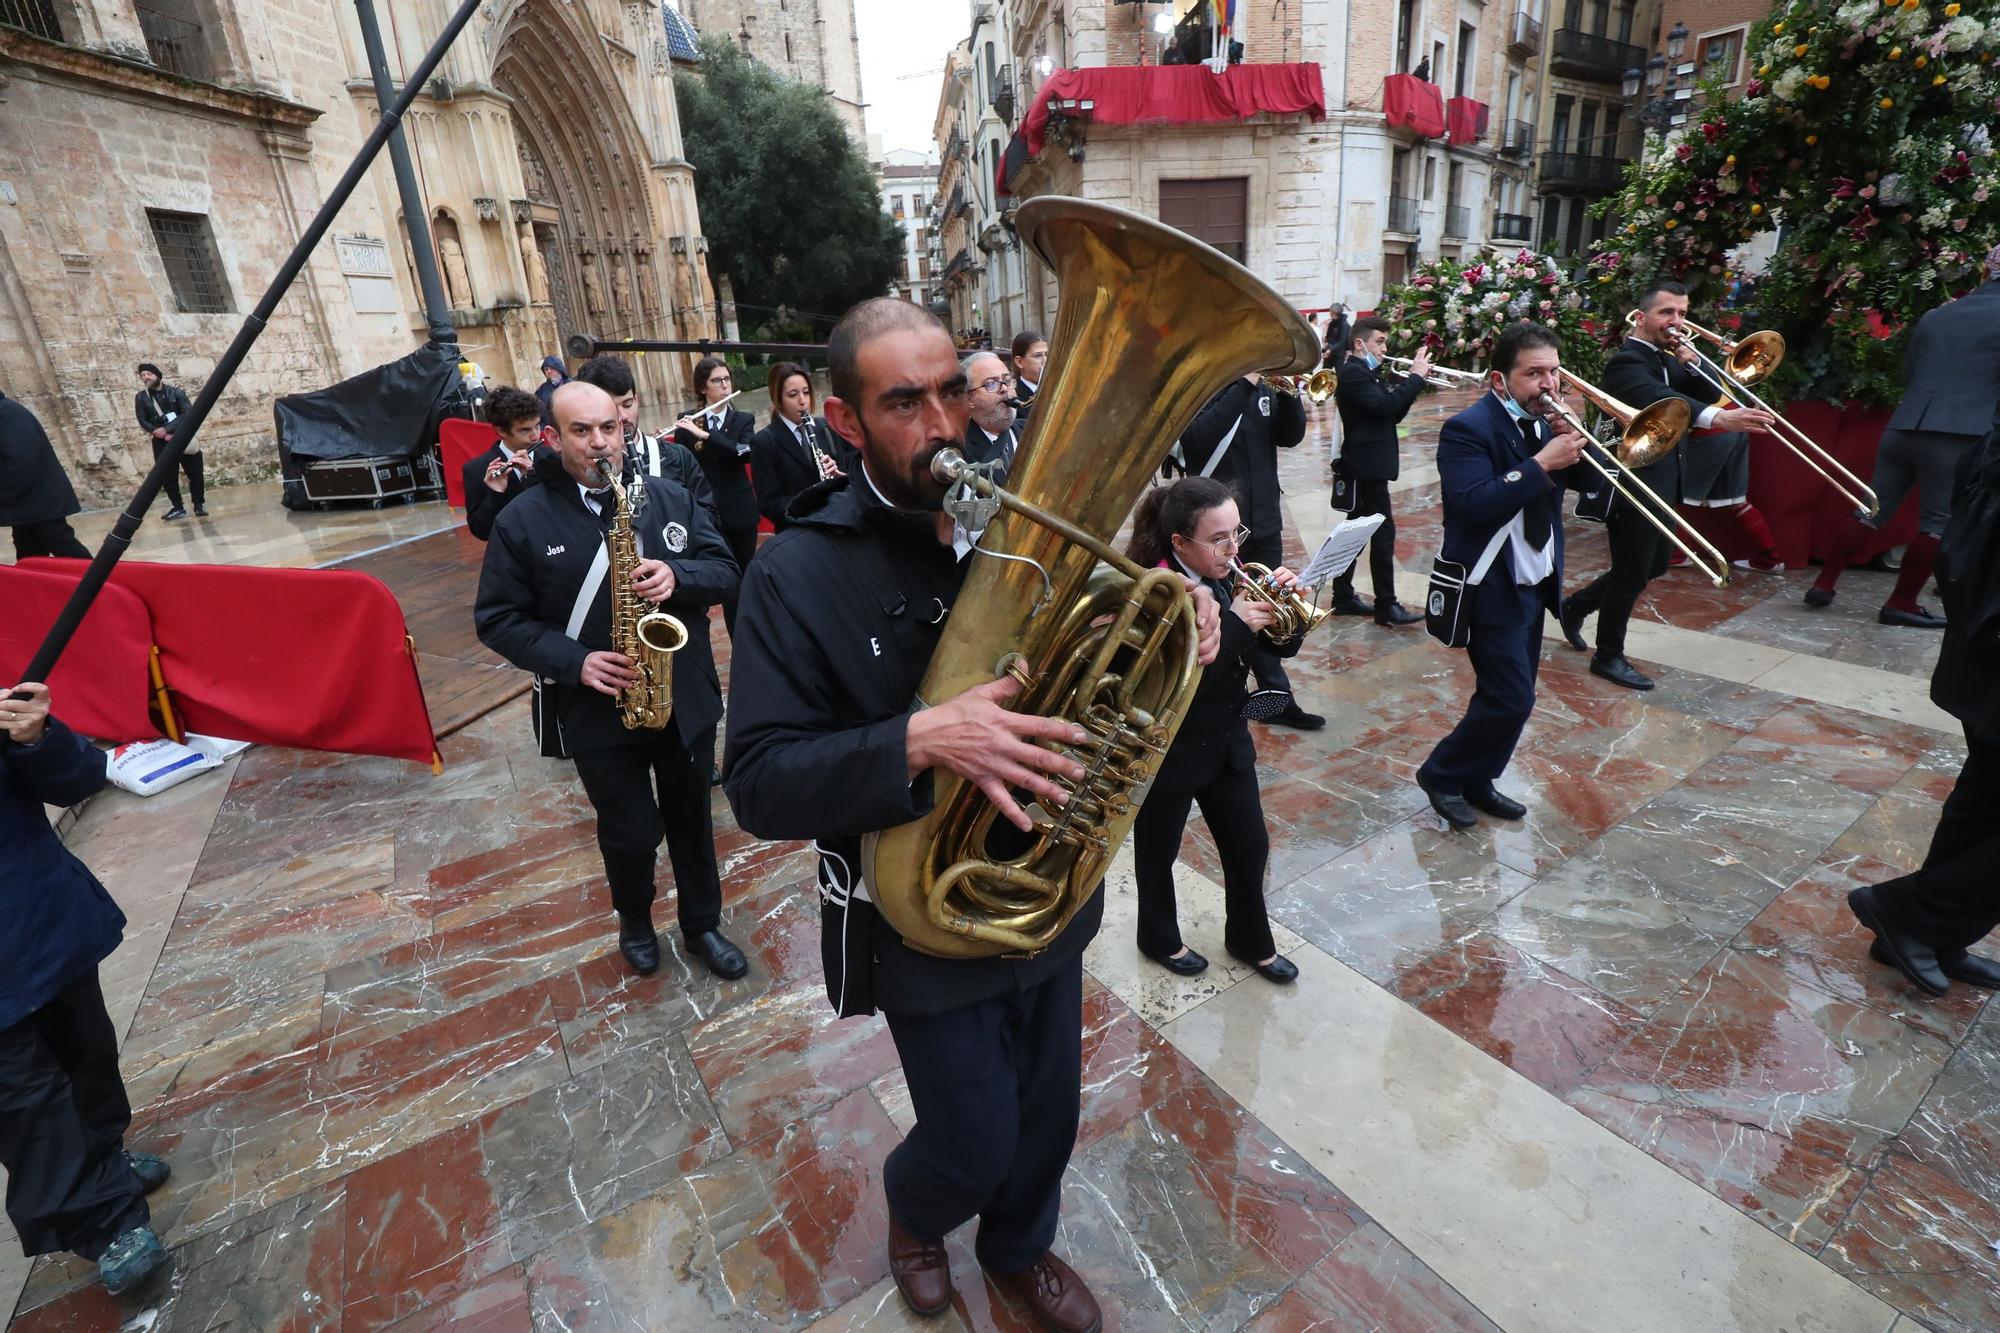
(545, 605)
(841, 613)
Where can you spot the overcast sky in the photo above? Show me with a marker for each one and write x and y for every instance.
(900, 38)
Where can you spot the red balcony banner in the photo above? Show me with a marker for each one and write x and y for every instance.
(1410, 101)
(103, 685)
(1465, 120)
(1177, 95)
(317, 659)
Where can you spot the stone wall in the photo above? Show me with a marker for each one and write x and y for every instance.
(813, 41)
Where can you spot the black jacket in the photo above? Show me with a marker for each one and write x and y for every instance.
(838, 620)
(482, 505)
(1968, 579)
(545, 546)
(1024, 402)
(1951, 374)
(723, 456)
(1640, 375)
(1369, 414)
(1214, 736)
(781, 467)
(1270, 421)
(33, 486)
(983, 448)
(662, 456)
(152, 407)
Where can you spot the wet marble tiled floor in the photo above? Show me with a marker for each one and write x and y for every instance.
(1624, 1064)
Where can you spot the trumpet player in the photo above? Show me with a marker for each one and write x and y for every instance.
(1371, 458)
(545, 606)
(1951, 382)
(1193, 526)
(1502, 468)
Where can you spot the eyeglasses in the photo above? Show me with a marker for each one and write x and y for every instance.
(997, 383)
(1228, 541)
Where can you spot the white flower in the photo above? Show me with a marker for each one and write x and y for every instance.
(1786, 86)
(1857, 14)
(1962, 33)
(1976, 139)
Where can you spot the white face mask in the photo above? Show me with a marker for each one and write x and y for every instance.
(1374, 361)
(1514, 409)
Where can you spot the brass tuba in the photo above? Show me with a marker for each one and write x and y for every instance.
(650, 638)
(1150, 323)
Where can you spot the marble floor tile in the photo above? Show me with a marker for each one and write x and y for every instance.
(1865, 689)
(1752, 813)
(1725, 702)
(775, 1235)
(247, 526)
(1852, 750)
(1924, 1242)
(497, 1305)
(1549, 1028)
(1956, 1131)
(1540, 1220)
(882, 1309)
(784, 1057)
(1371, 1282)
(1773, 1094)
(1895, 832)
(1114, 958)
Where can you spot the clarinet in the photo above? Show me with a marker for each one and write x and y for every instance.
(828, 469)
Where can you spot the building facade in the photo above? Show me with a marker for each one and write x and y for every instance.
(809, 41)
(209, 131)
(908, 182)
(1587, 131)
(954, 259)
(1411, 160)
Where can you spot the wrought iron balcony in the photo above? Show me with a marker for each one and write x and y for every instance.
(35, 16)
(1517, 138)
(1457, 221)
(1403, 214)
(1524, 38)
(1003, 93)
(1585, 55)
(1580, 173)
(1512, 226)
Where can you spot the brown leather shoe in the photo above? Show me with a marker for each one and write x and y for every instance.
(922, 1270)
(1055, 1294)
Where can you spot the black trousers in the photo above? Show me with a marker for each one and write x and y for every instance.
(190, 464)
(63, 1117)
(1506, 653)
(1953, 900)
(1372, 497)
(51, 536)
(997, 1088)
(742, 545)
(1235, 813)
(1639, 554)
(1266, 666)
(642, 792)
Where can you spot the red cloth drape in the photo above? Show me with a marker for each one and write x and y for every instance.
(460, 441)
(1178, 95)
(103, 686)
(317, 659)
(1806, 514)
(1465, 119)
(1408, 100)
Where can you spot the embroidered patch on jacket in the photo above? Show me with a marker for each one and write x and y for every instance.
(677, 537)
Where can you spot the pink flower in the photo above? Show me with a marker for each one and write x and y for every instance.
(1867, 192)
(1843, 188)
(1684, 152)
(1958, 224)
(1877, 326)
(1680, 205)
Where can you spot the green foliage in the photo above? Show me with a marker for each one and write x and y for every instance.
(787, 201)
(1866, 133)
(1457, 310)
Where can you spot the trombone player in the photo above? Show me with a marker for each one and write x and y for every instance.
(1370, 411)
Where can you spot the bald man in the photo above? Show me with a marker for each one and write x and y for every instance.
(545, 605)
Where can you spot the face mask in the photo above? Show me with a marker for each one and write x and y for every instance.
(1374, 361)
(1514, 409)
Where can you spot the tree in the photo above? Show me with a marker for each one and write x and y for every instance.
(790, 207)
(1865, 136)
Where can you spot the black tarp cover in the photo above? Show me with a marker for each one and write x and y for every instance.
(390, 411)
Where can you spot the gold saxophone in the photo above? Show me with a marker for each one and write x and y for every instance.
(650, 638)
(1150, 323)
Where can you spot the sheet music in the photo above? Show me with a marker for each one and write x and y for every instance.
(1340, 549)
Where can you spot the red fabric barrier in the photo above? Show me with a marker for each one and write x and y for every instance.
(1806, 513)
(103, 686)
(1178, 95)
(1465, 119)
(1408, 100)
(317, 659)
(461, 441)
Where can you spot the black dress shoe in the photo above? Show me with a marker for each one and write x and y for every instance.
(1187, 965)
(1280, 970)
(723, 958)
(1353, 606)
(1620, 672)
(1396, 614)
(1818, 596)
(1571, 621)
(201, 511)
(641, 951)
(1493, 803)
(1921, 618)
(1295, 716)
(1906, 953)
(1453, 807)
(1969, 968)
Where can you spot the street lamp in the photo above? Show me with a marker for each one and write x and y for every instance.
(1677, 41)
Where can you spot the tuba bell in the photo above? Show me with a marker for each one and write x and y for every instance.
(1149, 323)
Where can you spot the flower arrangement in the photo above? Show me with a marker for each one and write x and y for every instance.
(1865, 132)
(1458, 309)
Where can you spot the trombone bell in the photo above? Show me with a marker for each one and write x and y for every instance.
(1646, 434)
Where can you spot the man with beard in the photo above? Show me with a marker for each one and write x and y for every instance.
(989, 400)
(840, 615)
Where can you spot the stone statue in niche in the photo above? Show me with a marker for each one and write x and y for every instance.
(457, 278)
(621, 293)
(532, 264)
(593, 287)
(684, 302)
(643, 279)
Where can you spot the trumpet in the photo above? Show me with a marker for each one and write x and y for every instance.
(1441, 377)
(1318, 386)
(1297, 615)
(1748, 361)
(1646, 435)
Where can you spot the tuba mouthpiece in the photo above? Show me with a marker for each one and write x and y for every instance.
(946, 464)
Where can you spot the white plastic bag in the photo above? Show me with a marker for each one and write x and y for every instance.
(146, 767)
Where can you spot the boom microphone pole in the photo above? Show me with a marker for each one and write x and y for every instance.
(120, 539)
